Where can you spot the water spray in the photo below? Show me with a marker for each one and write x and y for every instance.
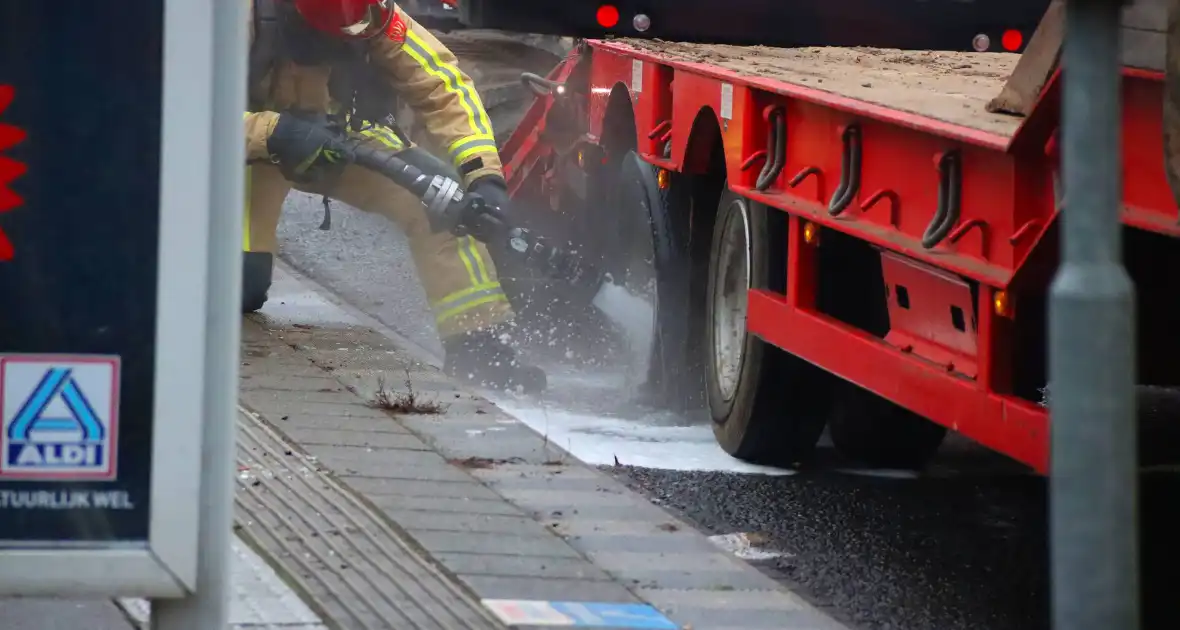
(450, 208)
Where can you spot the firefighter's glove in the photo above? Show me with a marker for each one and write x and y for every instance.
(483, 213)
(307, 149)
(494, 192)
(495, 228)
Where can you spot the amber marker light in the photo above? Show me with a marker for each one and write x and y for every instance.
(810, 233)
(1001, 304)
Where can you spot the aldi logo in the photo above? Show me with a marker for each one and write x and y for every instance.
(60, 417)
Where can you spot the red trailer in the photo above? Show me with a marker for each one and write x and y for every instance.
(847, 237)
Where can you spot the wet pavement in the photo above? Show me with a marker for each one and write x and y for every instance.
(503, 509)
(365, 261)
(962, 549)
(956, 553)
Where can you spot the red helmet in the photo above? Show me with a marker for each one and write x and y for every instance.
(346, 18)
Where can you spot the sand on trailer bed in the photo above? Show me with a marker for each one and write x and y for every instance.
(952, 87)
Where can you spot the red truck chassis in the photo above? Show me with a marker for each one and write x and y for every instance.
(959, 220)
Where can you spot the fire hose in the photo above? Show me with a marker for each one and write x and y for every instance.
(449, 208)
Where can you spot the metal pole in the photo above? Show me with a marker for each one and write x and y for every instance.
(1093, 502)
(208, 608)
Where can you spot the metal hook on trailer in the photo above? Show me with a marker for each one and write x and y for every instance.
(776, 148)
(541, 86)
(950, 192)
(802, 175)
(849, 172)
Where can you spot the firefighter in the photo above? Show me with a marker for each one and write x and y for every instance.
(319, 65)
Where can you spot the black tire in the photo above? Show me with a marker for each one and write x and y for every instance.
(769, 410)
(1159, 434)
(257, 268)
(652, 231)
(875, 432)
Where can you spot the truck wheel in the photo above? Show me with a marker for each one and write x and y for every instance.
(257, 268)
(875, 432)
(767, 405)
(650, 258)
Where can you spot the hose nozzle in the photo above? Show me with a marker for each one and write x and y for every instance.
(554, 262)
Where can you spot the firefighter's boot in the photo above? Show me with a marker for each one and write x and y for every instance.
(257, 269)
(482, 358)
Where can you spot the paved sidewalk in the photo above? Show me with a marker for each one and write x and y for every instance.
(358, 491)
(27, 613)
(339, 552)
(260, 600)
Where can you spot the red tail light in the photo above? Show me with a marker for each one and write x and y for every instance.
(607, 16)
(1012, 40)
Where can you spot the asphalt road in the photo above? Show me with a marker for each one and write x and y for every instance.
(954, 553)
(963, 549)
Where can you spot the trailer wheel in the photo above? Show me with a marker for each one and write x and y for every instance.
(875, 432)
(767, 406)
(257, 268)
(650, 257)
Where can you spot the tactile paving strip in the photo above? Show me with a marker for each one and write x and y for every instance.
(355, 570)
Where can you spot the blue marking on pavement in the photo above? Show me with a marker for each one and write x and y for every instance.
(611, 615)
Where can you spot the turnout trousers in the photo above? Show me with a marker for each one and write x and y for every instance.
(456, 272)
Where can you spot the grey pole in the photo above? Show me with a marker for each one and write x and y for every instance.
(1093, 501)
(208, 608)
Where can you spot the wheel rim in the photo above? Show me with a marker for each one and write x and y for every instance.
(728, 302)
